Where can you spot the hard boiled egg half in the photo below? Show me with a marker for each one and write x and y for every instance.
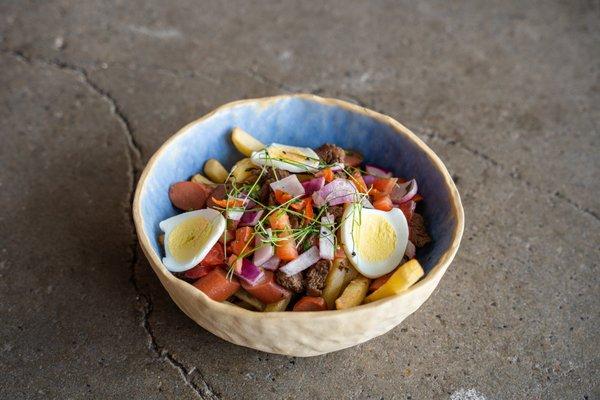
(374, 241)
(189, 237)
(289, 158)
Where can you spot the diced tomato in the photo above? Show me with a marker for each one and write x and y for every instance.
(383, 203)
(215, 256)
(216, 285)
(328, 174)
(282, 197)
(242, 242)
(310, 303)
(359, 182)
(299, 205)
(279, 220)
(199, 271)
(385, 185)
(227, 236)
(267, 290)
(285, 247)
(309, 213)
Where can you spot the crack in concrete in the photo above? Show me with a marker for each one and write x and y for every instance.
(514, 175)
(203, 391)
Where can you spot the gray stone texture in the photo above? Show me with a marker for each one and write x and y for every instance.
(507, 93)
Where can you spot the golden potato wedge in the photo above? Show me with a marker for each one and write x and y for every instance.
(354, 294)
(248, 298)
(199, 178)
(244, 169)
(215, 171)
(245, 142)
(404, 277)
(281, 305)
(338, 277)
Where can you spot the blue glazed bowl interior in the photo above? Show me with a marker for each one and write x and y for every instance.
(301, 122)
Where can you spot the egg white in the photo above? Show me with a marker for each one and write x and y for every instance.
(373, 268)
(310, 164)
(218, 226)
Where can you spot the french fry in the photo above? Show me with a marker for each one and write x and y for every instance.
(199, 178)
(354, 294)
(245, 142)
(404, 277)
(248, 298)
(243, 169)
(215, 171)
(338, 277)
(281, 305)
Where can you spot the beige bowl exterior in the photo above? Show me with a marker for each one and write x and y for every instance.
(303, 334)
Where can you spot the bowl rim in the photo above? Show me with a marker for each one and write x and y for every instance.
(436, 272)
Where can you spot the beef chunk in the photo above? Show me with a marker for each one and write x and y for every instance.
(274, 174)
(315, 278)
(265, 191)
(330, 153)
(417, 233)
(294, 221)
(337, 212)
(295, 283)
(219, 193)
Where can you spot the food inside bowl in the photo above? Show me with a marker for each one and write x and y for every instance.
(292, 228)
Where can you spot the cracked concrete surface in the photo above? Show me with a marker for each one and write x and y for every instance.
(506, 93)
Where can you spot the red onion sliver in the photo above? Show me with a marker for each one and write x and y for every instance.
(264, 250)
(313, 185)
(326, 238)
(290, 185)
(339, 191)
(250, 272)
(272, 263)
(378, 171)
(304, 260)
(369, 180)
(411, 250)
(251, 217)
(404, 192)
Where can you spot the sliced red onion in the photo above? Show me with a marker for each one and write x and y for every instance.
(304, 260)
(404, 192)
(264, 250)
(411, 250)
(251, 217)
(378, 171)
(369, 180)
(235, 214)
(339, 191)
(327, 238)
(290, 185)
(313, 185)
(250, 272)
(272, 263)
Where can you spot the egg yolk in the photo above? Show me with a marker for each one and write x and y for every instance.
(187, 239)
(374, 238)
(287, 154)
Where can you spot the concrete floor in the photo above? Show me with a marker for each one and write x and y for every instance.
(507, 95)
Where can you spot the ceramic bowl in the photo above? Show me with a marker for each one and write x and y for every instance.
(302, 120)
